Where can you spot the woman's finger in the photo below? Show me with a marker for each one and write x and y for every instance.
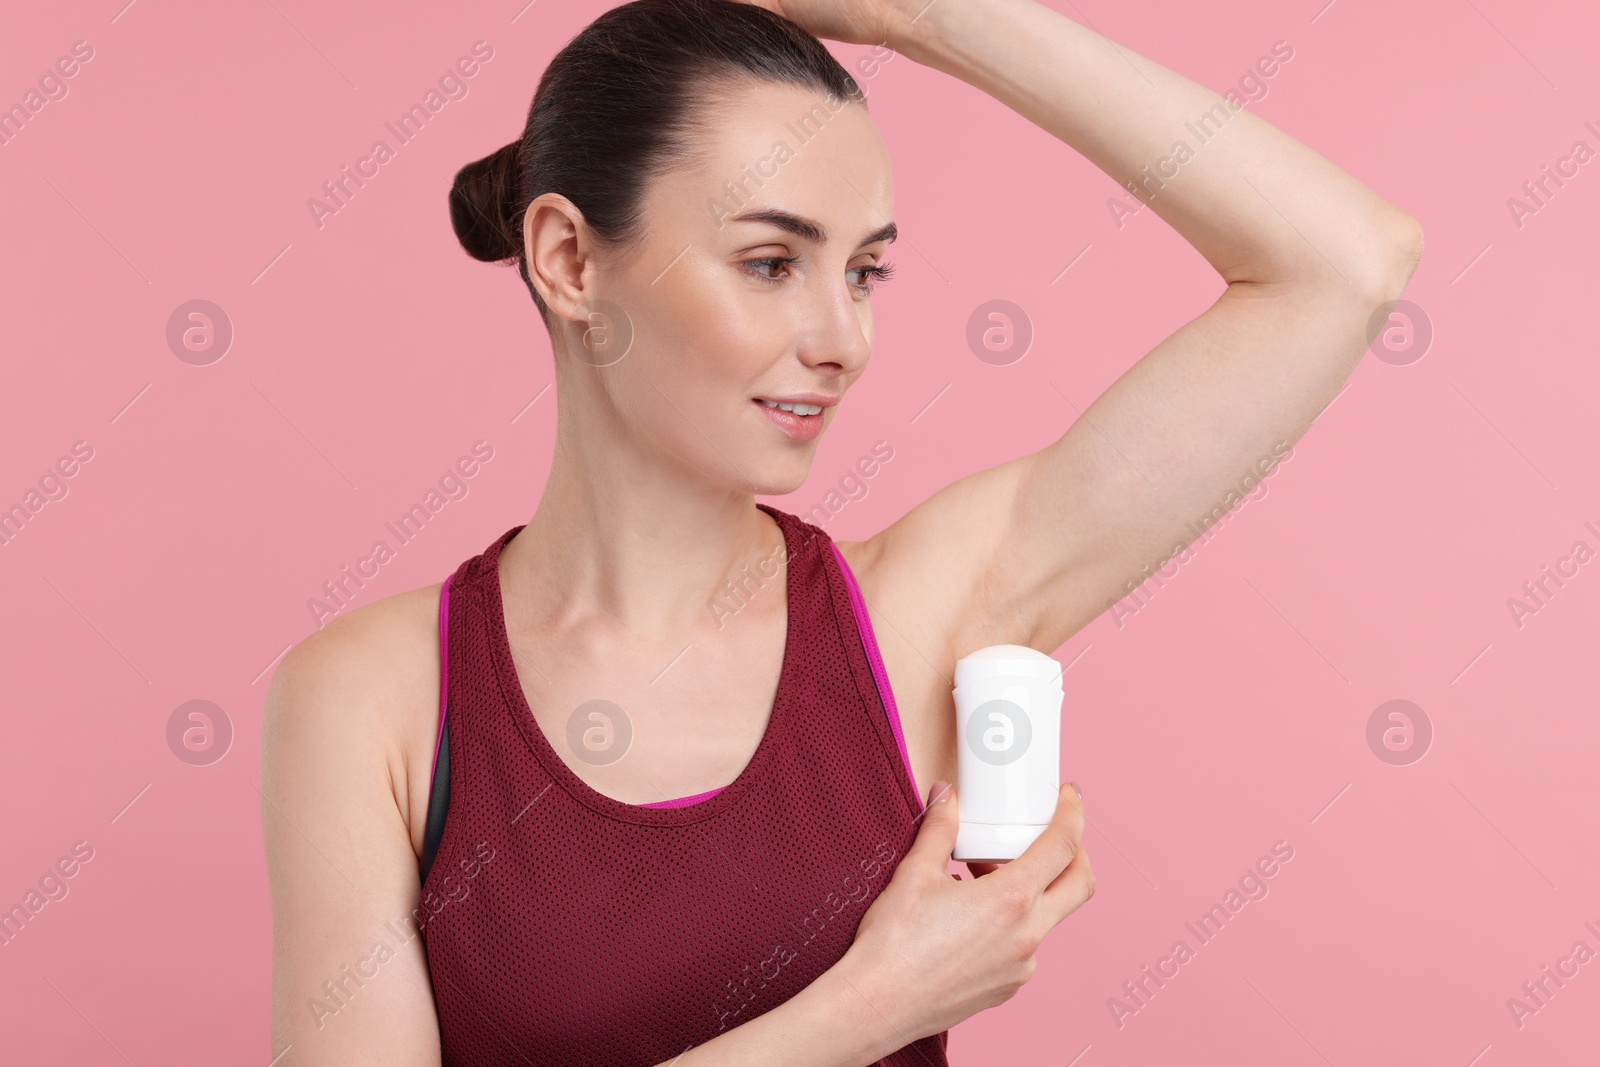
(1052, 851)
(937, 837)
(1070, 890)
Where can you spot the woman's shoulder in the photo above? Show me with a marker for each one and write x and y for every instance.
(359, 697)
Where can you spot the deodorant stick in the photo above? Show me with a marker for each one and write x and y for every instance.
(1008, 750)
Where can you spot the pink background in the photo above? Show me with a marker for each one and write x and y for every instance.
(1228, 714)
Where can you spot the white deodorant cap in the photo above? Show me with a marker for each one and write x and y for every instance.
(1010, 661)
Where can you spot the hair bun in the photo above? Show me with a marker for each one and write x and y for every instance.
(482, 200)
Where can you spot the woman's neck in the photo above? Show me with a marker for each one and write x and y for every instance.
(642, 544)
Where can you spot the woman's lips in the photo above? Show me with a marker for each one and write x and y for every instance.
(799, 427)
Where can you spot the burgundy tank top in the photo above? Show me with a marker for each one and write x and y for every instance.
(565, 927)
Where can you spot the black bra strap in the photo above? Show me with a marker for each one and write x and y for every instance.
(438, 801)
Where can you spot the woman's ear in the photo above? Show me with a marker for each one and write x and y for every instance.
(558, 247)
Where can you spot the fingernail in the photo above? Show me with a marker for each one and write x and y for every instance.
(939, 793)
(1076, 790)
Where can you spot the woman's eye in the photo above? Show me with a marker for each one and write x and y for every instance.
(871, 275)
(769, 261)
(874, 275)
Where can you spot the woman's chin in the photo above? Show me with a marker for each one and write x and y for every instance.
(781, 475)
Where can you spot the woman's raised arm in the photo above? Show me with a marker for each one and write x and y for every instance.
(1042, 544)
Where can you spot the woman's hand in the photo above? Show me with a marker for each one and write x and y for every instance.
(933, 951)
(850, 21)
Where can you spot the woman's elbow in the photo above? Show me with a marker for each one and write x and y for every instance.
(1394, 259)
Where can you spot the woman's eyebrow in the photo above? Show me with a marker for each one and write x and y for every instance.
(811, 231)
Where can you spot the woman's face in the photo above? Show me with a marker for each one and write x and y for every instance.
(750, 285)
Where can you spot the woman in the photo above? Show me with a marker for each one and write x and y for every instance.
(686, 836)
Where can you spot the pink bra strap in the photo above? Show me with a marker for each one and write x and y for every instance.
(683, 802)
(879, 675)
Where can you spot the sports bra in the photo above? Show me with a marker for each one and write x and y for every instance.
(439, 790)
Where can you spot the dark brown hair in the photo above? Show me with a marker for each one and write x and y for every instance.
(623, 101)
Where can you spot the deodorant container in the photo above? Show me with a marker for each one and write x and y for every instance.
(1008, 750)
